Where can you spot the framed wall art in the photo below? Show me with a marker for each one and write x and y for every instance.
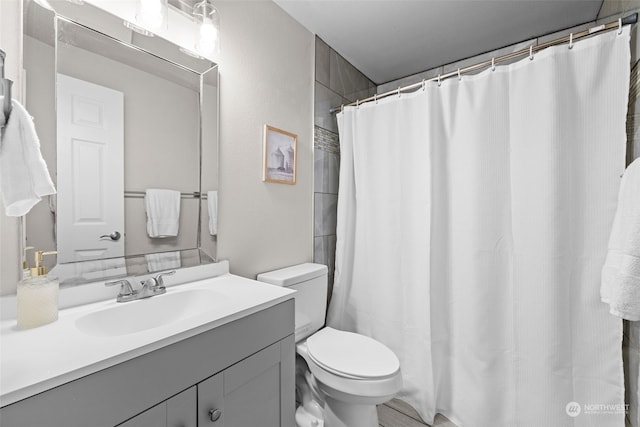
(280, 156)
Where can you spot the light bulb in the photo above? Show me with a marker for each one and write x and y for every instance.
(207, 33)
(150, 13)
(208, 37)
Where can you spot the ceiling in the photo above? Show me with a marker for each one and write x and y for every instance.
(390, 39)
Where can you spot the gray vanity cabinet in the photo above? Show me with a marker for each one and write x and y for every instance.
(245, 369)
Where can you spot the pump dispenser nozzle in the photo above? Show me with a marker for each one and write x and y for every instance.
(25, 263)
(39, 269)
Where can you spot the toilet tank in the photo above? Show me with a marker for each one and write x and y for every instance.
(310, 282)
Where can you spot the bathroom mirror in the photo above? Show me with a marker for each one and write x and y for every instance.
(118, 113)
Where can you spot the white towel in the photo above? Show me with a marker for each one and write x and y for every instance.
(163, 261)
(163, 212)
(620, 286)
(24, 176)
(212, 204)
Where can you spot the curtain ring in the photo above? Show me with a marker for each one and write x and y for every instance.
(357, 103)
(439, 81)
(571, 41)
(375, 97)
(493, 64)
(459, 76)
(531, 52)
(399, 91)
(423, 84)
(619, 26)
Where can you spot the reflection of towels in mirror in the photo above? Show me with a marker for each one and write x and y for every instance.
(163, 212)
(163, 261)
(212, 204)
(24, 176)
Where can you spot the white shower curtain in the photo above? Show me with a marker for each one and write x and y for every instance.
(473, 220)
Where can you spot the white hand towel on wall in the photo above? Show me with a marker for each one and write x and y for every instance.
(24, 176)
(163, 212)
(212, 204)
(620, 286)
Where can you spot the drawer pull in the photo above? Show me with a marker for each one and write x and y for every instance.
(215, 415)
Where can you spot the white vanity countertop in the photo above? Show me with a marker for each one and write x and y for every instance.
(39, 359)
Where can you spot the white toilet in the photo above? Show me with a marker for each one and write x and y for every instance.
(340, 376)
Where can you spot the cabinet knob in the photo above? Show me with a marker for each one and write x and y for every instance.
(215, 415)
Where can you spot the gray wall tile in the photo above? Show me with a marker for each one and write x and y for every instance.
(331, 173)
(325, 213)
(322, 61)
(318, 208)
(345, 78)
(318, 170)
(320, 250)
(325, 99)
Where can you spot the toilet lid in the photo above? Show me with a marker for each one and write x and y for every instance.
(351, 355)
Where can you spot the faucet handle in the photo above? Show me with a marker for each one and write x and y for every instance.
(125, 289)
(161, 275)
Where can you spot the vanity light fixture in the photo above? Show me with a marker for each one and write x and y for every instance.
(207, 34)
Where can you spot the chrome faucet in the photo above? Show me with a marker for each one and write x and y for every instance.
(150, 287)
(153, 286)
(126, 290)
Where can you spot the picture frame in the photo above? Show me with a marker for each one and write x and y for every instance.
(280, 156)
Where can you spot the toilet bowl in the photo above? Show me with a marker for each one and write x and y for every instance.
(340, 376)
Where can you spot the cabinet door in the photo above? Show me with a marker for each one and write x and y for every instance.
(211, 402)
(181, 409)
(251, 393)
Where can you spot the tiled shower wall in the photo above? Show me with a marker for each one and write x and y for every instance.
(337, 82)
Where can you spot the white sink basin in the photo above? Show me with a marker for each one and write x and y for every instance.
(136, 316)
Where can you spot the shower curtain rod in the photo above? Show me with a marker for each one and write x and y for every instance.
(631, 19)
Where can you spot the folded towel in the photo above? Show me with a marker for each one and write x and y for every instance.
(24, 176)
(620, 286)
(212, 204)
(163, 261)
(163, 212)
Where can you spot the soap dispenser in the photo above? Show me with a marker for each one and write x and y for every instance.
(37, 296)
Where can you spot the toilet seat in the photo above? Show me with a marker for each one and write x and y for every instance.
(351, 355)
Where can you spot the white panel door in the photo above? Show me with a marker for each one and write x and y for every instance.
(90, 214)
